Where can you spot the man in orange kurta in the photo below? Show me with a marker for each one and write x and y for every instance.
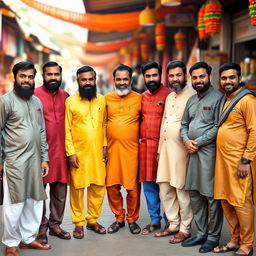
(235, 159)
(123, 111)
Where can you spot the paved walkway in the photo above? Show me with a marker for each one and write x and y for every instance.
(122, 243)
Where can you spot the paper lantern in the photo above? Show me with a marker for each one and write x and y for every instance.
(136, 53)
(160, 32)
(147, 17)
(252, 11)
(144, 47)
(212, 17)
(179, 39)
(171, 2)
(201, 23)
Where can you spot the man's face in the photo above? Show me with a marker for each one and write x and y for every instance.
(176, 78)
(122, 82)
(24, 83)
(87, 84)
(52, 78)
(229, 81)
(152, 79)
(200, 80)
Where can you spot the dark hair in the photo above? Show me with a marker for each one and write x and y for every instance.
(122, 67)
(176, 64)
(85, 69)
(51, 64)
(23, 65)
(149, 65)
(230, 65)
(201, 64)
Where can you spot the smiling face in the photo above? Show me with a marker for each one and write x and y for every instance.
(87, 85)
(122, 82)
(177, 79)
(200, 80)
(229, 81)
(52, 78)
(152, 79)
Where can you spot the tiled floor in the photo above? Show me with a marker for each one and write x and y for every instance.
(122, 243)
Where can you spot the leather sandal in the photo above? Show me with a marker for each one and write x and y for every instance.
(96, 227)
(179, 237)
(78, 232)
(35, 245)
(165, 232)
(134, 228)
(224, 248)
(114, 227)
(42, 238)
(12, 251)
(60, 233)
(151, 227)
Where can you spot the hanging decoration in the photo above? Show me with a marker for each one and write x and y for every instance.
(147, 17)
(212, 17)
(144, 47)
(201, 23)
(252, 11)
(179, 39)
(135, 54)
(160, 32)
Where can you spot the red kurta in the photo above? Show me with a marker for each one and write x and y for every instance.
(54, 115)
(152, 112)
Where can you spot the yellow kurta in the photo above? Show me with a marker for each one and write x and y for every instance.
(236, 139)
(123, 138)
(85, 136)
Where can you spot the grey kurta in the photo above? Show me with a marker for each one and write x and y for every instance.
(23, 146)
(199, 123)
(173, 156)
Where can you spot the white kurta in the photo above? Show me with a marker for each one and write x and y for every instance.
(173, 156)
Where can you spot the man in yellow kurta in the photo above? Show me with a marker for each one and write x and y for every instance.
(123, 114)
(235, 160)
(85, 147)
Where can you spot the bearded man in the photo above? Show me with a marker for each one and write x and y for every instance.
(123, 109)
(173, 157)
(53, 100)
(86, 148)
(152, 108)
(23, 162)
(198, 131)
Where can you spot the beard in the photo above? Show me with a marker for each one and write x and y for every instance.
(24, 92)
(87, 91)
(52, 85)
(123, 91)
(232, 89)
(153, 85)
(180, 86)
(202, 89)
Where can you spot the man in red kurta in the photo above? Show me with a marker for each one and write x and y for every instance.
(53, 100)
(153, 101)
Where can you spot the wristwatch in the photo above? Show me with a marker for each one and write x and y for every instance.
(245, 160)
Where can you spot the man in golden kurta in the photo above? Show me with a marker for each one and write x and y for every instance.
(123, 115)
(235, 160)
(86, 149)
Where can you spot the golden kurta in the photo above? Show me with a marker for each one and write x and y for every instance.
(236, 139)
(85, 137)
(123, 138)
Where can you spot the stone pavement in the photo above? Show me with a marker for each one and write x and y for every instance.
(122, 243)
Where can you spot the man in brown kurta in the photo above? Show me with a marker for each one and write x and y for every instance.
(23, 161)
(235, 161)
(123, 115)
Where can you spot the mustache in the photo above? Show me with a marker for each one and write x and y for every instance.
(87, 86)
(199, 83)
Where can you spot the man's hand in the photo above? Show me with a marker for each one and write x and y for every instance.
(44, 169)
(190, 146)
(73, 161)
(1, 171)
(105, 154)
(243, 170)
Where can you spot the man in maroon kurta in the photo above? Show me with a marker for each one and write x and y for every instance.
(153, 101)
(53, 100)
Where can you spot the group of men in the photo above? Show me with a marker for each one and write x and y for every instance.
(192, 148)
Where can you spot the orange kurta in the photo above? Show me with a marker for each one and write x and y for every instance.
(236, 139)
(123, 138)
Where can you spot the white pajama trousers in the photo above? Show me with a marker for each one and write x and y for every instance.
(21, 221)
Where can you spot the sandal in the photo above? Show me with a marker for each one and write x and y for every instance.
(179, 237)
(114, 227)
(60, 233)
(250, 253)
(224, 248)
(78, 232)
(165, 232)
(35, 245)
(134, 228)
(151, 227)
(96, 227)
(42, 238)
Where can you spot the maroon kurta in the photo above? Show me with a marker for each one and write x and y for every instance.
(152, 112)
(54, 115)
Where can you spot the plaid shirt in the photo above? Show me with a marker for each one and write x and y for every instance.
(152, 112)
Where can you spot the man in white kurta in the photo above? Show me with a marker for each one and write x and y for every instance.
(171, 173)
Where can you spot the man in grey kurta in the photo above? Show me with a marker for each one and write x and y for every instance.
(23, 161)
(198, 131)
